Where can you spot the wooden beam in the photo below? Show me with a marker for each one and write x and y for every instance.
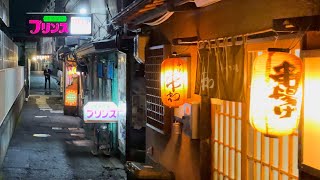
(297, 24)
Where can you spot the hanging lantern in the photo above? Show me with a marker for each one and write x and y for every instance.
(174, 82)
(276, 93)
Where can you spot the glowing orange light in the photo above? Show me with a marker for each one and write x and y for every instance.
(71, 97)
(276, 93)
(174, 82)
(311, 122)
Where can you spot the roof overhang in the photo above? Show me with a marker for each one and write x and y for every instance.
(144, 11)
(140, 11)
(97, 47)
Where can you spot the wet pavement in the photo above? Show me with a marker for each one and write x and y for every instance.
(49, 145)
(37, 83)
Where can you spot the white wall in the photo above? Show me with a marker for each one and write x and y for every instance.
(11, 83)
(9, 52)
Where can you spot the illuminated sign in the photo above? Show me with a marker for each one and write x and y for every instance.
(71, 85)
(100, 112)
(71, 71)
(55, 18)
(71, 97)
(80, 25)
(59, 24)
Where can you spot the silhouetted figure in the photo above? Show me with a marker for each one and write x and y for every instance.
(46, 74)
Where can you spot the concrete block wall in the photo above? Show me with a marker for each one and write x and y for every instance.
(12, 96)
(9, 123)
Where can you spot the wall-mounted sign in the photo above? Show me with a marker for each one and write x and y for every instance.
(100, 112)
(57, 24)
(71, 85)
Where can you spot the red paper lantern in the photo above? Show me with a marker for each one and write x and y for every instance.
(174, 82)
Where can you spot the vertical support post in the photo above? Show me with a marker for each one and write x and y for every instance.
(244, 140)
(245, 116)
(130, 73)
(95, 78)
(205, 139)
(26, 72)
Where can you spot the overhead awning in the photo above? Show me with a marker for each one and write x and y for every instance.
(97, 47)
(63, 50)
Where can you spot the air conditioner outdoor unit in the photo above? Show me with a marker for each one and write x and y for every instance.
(203, 3)
(140, 43)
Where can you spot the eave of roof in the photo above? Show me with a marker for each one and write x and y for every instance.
(141, 11)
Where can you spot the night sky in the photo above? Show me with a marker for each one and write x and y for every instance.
(18, 9)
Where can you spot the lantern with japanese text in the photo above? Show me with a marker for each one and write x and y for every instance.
(276, 93)
(174, 82)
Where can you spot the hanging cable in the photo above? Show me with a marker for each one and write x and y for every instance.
(299, 38)
(107, 4)
(162, 19)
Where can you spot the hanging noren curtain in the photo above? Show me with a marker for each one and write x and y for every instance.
(231, 71)
(220, 72)
(206, 77)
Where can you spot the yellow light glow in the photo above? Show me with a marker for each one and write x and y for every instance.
(72, 71)
(174, 82)
(311, 124)
(275, 104)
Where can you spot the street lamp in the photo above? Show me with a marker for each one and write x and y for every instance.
(83, 11)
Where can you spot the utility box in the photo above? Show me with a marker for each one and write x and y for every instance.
(189, 115)
(191, 119)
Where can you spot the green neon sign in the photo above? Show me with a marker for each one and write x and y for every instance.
(55, 18)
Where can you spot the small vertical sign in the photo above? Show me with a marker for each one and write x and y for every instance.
(71, 82)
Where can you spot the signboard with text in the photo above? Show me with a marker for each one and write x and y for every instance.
(100, 112)
(59, 24)
(71, 86)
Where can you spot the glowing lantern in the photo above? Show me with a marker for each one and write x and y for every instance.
(276, 93)
(174, 82)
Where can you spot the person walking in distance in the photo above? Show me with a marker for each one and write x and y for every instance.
(47, 73)
(60, 79)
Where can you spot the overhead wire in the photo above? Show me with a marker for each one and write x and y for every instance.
(299, 39)
(160, 20)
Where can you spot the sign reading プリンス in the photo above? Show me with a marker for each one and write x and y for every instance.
(100, 112)
(57, 24)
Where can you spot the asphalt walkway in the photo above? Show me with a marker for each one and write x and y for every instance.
(49, 145)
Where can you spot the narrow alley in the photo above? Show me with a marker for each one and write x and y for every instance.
(159, 89)
(48, 145)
